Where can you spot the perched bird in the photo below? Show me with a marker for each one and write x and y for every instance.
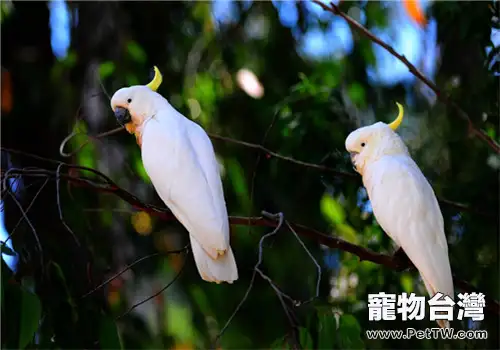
(179, 159)
(403, 201)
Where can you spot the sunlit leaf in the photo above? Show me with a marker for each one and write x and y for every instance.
(6, 8)
(109, 337)
(178, 320)
(136, 52)
(407, 282)
(141, 221)
(332, 209)
(85, 156)
(141, 171)
(347, 232)
(491, 132)
(106, 69)
(31, 312)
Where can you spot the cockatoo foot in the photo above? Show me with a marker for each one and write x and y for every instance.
(401, 259)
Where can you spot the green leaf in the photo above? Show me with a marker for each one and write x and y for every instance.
(367, 52)
(106, 69)
(350, 333)
(278, 344)
(356, 93)
(109, 336)
(348, 233)
(332, 209)
(237, 177)
(407, 282)
(62, 279)
(327, 326)
(132, 80)
(305, 338)
(85, 155)
(375, 14)
(201, 300)
(136, 52)
(31, 312)
(70, 60)
(141, 171)
(234, 339)
(490, 132)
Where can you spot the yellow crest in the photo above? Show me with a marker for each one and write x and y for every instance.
(397, 122)
(155, 83)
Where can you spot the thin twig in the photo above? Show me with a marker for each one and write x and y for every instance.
(344, 174)
(79, 148)
(318, 267)
(286, 158)
(250, 286)
(160, 291)
(440, 95)
(128, 267)
(340, 173)
(37, 239)
(257, 161)
(59, 208)
(26, 211)
(108, 186)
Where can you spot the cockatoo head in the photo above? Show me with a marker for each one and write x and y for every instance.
(369, 143)
(133, 105)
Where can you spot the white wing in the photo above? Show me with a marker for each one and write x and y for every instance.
(181, 181)
(206, 156)
(406, 207)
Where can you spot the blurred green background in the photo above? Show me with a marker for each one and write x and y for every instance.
(284, 72)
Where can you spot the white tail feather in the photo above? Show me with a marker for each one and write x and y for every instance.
(431, 290)
(222, 269)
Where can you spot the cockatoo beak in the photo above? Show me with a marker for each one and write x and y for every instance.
(122, 115)
(124, 118)
(353, 159)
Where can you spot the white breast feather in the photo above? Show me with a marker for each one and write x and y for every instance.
(406, 208)
(183, 178)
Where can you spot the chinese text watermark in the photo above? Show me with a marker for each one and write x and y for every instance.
(428, 333)
(387, 307)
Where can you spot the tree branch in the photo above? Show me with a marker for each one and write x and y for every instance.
(270, 153)
(340, 173)
(441, 96)
(105, 184)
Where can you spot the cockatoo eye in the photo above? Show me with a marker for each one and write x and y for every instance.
(363, 144)
(129, 100)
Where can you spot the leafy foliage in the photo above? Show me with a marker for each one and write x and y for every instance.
(308, 107)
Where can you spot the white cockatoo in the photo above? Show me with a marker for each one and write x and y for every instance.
(179, 159)
(403, 201)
